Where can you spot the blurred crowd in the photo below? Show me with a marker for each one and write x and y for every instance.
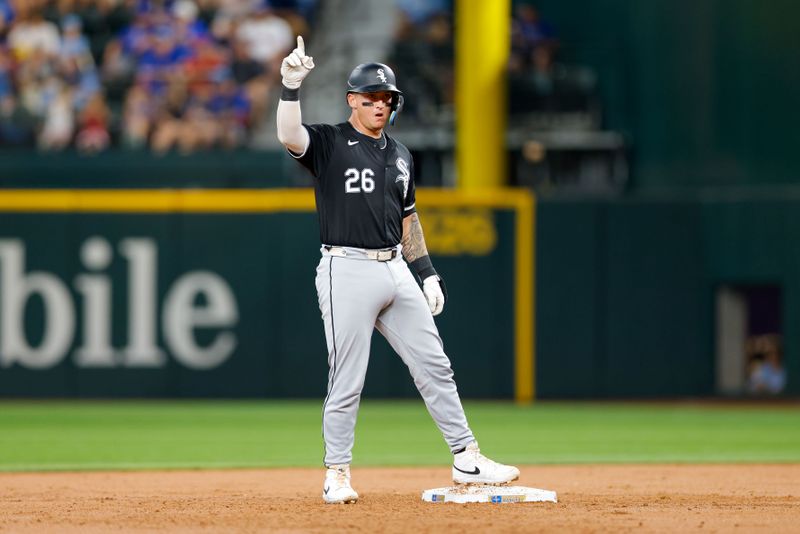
(537, 82)
(169, 75)
(188, 75)
(423, 56)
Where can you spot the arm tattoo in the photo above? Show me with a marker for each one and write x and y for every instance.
(413, 241)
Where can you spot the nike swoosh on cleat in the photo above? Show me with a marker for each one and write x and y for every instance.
(351, 143)
(325, 491)
(476, 471)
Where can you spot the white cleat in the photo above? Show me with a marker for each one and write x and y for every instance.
(337, 488)
(471, 467)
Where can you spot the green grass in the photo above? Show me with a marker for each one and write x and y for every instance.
(67, 435)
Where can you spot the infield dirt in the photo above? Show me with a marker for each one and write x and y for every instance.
(592, 498)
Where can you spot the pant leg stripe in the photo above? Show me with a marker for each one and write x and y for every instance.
(333, 367)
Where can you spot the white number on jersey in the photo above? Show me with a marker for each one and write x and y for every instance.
(359, 181)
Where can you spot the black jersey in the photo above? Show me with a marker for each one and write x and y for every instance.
(364, 186)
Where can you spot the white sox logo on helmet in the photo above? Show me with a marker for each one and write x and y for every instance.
(382, 75)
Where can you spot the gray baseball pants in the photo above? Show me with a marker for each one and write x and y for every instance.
(357, 294)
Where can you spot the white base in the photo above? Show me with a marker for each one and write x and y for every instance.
(493, 494)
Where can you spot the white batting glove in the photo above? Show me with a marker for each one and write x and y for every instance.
(296, 66)
(433, 294)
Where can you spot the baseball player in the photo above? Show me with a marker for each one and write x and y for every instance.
(364, 186)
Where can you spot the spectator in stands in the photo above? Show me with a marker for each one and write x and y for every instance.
(537, 81)
(542, 78)
(6, 72)
(254, 77)
(161, 62)
(231, 107)
(31, 33)
(267, 36)
(93, 135)
(116, 15)
(59, 118)
(76, 64)
(166, 121)
(540, 84)
(424, 52)
(206, 63)
(17, 125)
(32, 73)
(201, 129)
(188, 29)
(121, 54)
(228, 15)
(206, 10)
(139, 115)
(6, 19)
(529, 30)
(82, 80)
(439, 40)
(73, 43)
(765, 373)
(406, 57)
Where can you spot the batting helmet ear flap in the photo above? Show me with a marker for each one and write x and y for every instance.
(396, 108)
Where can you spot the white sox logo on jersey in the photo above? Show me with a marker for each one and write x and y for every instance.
(382, 75)
(404, 175)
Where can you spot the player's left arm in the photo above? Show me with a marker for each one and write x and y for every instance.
(413, 240)
(416, 254)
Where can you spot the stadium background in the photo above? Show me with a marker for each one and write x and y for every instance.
(662, 169)
(625, 230)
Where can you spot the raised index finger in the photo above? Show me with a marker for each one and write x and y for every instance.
(301, 47)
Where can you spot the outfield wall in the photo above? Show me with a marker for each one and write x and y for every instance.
(626, 287)
(211, 293)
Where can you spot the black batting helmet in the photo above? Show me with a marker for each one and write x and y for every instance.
(373, 78)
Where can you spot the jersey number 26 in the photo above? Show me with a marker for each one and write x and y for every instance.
(358, 181)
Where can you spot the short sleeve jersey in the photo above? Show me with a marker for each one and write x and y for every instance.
(364, 186)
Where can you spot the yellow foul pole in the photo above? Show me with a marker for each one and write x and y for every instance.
(483, 29)
(483, 39)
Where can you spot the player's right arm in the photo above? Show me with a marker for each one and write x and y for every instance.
(294, 69)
